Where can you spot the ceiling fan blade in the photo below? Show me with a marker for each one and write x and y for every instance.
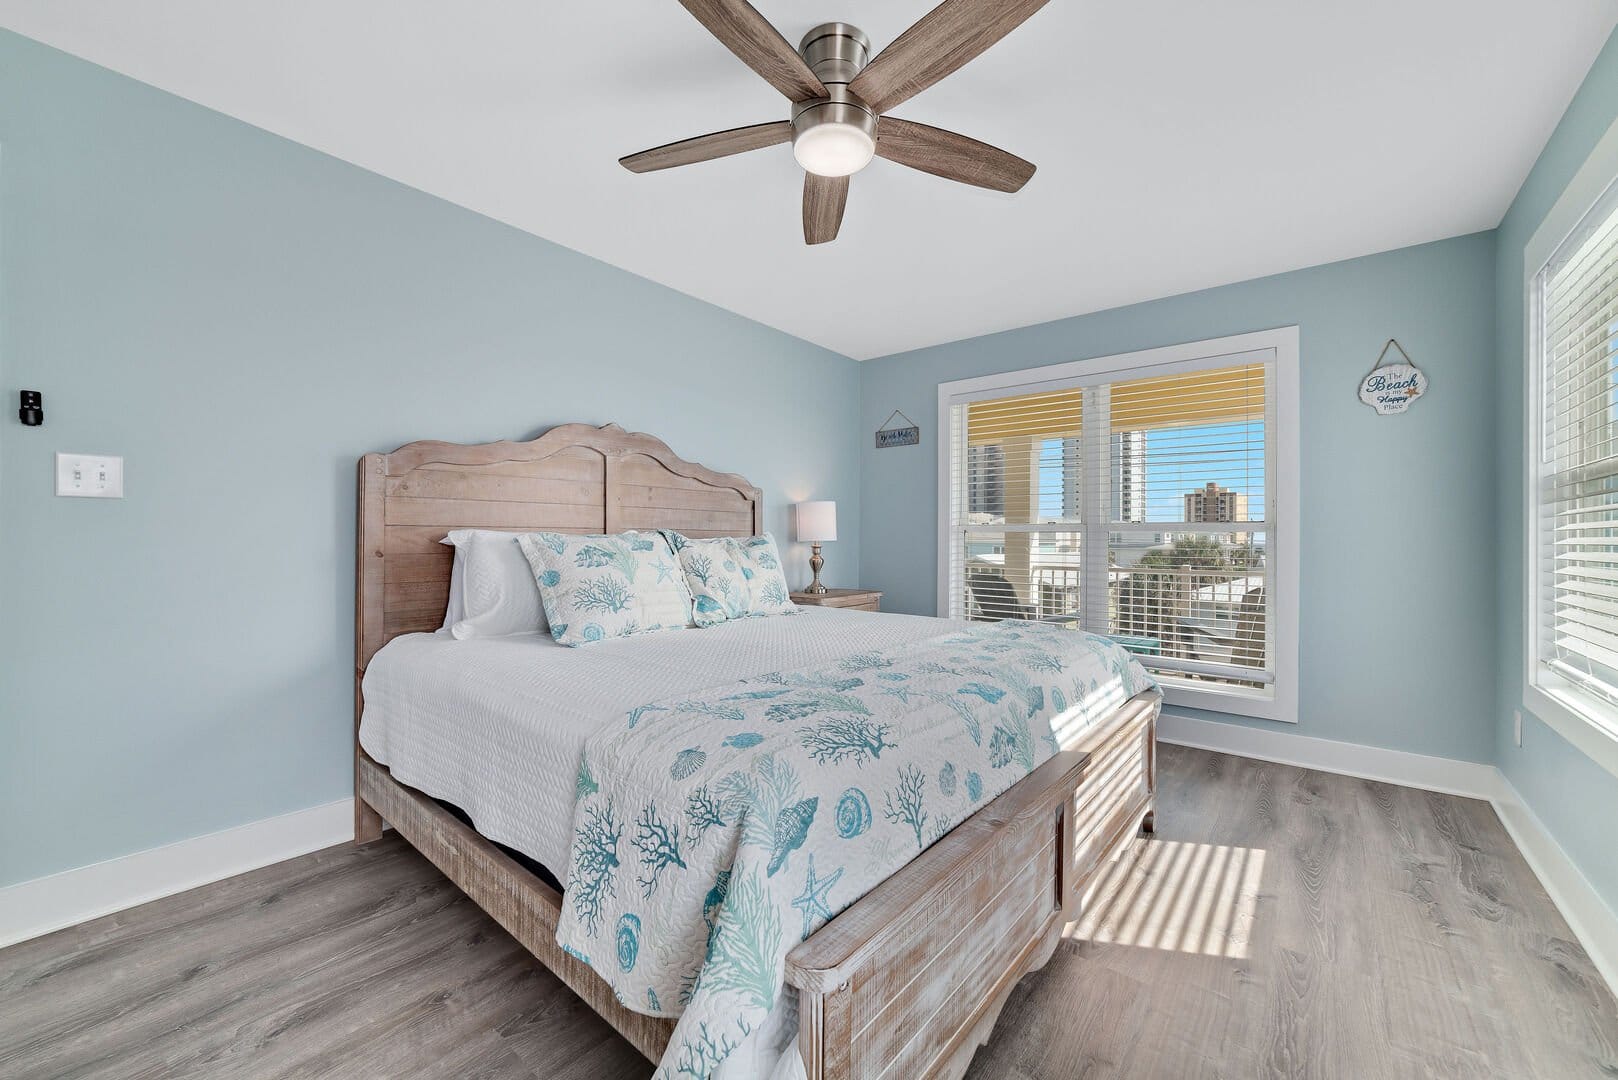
(941, 41)
(954, 157)
(823, 200)
(742, 30)
(717, 144)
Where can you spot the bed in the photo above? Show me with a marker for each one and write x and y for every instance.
(905, 982)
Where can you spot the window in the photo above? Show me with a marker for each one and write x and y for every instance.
(1138, 497)
(1573, 554)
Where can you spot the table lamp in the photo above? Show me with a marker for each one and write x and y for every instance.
(817, 523)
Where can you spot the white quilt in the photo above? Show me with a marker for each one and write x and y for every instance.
(497, 726)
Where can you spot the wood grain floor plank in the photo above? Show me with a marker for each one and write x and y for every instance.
(1283, 923)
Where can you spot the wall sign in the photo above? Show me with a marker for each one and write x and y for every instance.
(897, 436)
(1390, 388)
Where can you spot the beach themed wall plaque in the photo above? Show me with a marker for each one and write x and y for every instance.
(906, 435)
(1390, 388)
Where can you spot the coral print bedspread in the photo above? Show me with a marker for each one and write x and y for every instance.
(714, 833)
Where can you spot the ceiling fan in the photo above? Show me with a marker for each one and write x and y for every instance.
(840, 97)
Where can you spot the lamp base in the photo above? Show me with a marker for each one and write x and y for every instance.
(815, 563)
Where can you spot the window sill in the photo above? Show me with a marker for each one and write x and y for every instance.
(1592, 728)
(1234, 702)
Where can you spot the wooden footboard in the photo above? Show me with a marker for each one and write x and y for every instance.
(908, 982)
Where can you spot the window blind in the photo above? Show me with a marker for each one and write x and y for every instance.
(1577, 581)
(1134, 508)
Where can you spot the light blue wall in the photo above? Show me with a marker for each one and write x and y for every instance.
(1575, 798)
(1397, 515)
(242, 317)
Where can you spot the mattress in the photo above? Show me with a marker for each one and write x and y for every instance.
(497, 726)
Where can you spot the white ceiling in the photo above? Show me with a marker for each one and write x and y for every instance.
(1181, 144)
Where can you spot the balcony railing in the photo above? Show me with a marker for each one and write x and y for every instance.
(1210, 615)
(1199, 615)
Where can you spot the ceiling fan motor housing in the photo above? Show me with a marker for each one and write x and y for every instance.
(835, 52)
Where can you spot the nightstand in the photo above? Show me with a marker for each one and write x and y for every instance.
(854, 599)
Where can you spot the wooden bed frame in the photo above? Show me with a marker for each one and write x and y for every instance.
(904, 984)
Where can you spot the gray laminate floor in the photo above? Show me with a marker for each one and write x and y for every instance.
(1283, 923)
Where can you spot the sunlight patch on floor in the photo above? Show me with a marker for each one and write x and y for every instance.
(1186, 897)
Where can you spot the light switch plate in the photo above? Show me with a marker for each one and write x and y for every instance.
(88, 476)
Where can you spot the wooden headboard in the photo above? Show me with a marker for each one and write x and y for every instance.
(575, 478)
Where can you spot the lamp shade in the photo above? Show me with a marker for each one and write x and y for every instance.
(817, 522)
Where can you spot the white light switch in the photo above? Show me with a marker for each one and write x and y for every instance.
(88, 477)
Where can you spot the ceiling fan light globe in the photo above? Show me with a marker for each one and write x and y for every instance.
(833, 149)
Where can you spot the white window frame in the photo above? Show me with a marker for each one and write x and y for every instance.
(1278, 346)
(1581, 719)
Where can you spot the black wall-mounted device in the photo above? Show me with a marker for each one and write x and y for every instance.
(32, 412)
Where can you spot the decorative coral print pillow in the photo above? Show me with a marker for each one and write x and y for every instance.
(766, 584)
(714, 576)
(732, 577)
(600, 587)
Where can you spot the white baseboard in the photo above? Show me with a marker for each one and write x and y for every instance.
(31, 908)
(1591, 920)
(1452, 777)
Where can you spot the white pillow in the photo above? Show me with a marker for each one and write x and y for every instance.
(498, 593)
(600, 587)
(455, 610)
